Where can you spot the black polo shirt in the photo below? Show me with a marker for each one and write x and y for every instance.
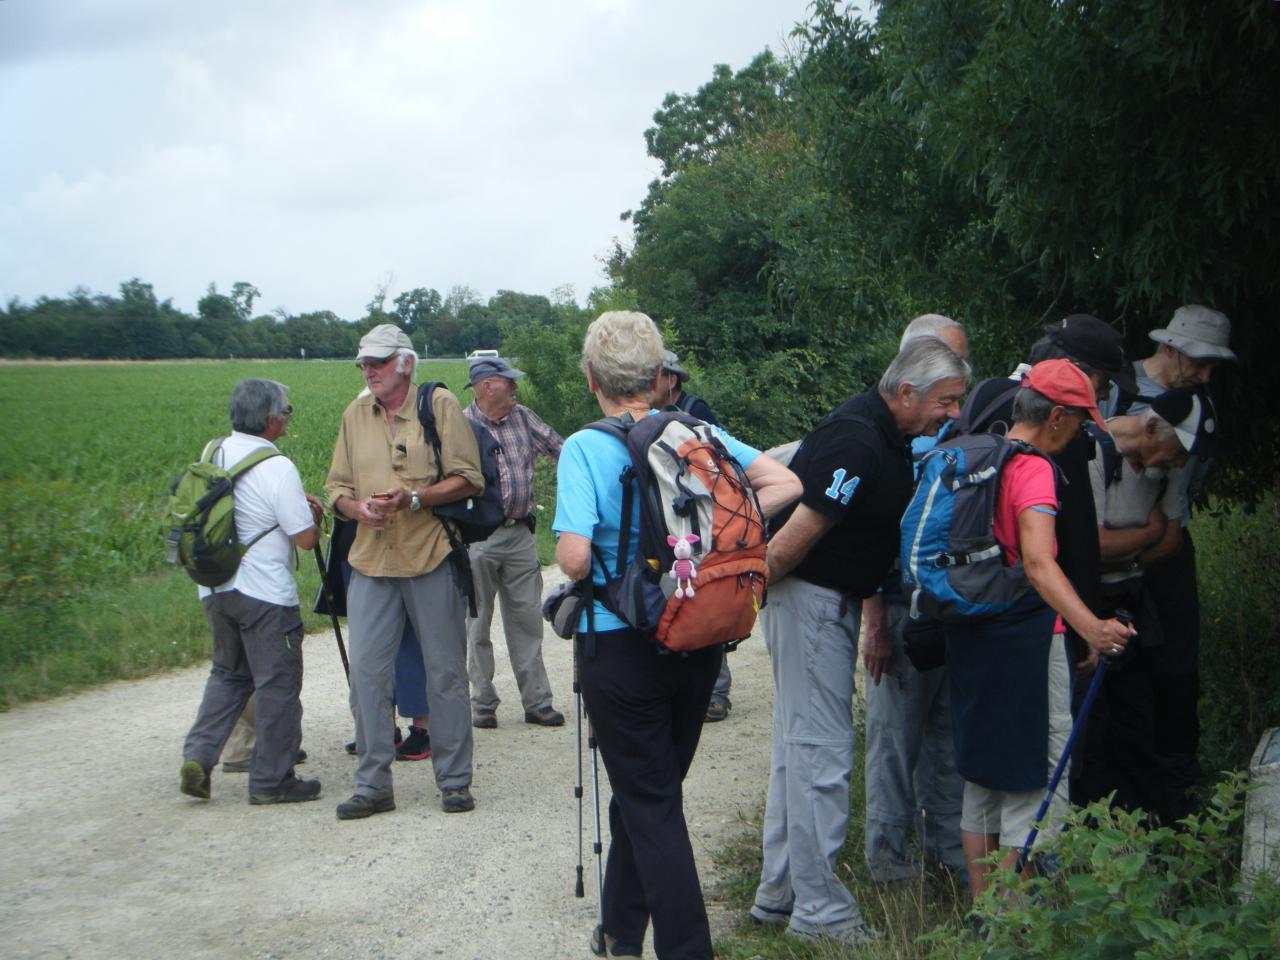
(856, 469)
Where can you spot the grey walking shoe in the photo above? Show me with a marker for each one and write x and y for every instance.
(603, 945)
(295, 791)
(717, 711)
(854, 935)
(359, 807)
(485, 718)
(457, 800)
(547, 716)
(194, 780)
(768, 916)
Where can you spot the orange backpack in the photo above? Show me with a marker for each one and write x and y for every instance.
(698, 576)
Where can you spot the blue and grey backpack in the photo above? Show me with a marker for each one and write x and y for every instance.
(951, 562)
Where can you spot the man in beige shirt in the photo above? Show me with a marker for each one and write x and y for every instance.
(384, 476)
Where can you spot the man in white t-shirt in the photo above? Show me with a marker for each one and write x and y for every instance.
(254, 617)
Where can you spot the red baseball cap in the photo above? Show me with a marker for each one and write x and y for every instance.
(1066, 384)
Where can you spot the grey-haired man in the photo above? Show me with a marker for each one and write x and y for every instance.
(383, 476)
(506, 564)
(254, 617)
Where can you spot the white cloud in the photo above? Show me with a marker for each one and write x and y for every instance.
(313, 149)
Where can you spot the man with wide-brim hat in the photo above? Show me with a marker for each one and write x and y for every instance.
(1191, 347)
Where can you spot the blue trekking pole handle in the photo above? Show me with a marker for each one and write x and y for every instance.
(1089, 697)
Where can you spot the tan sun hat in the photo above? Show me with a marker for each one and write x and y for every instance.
(1199, 332)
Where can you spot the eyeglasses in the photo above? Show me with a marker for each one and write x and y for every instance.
(373, 362)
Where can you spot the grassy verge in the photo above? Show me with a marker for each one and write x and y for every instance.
(904, 911)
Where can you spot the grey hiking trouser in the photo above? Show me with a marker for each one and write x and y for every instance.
(507, 565)
(911, 776)
(812, 636)
(721, 692)
(377, 607)
(257, 649)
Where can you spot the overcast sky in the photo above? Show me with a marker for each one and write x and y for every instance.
(319, 149)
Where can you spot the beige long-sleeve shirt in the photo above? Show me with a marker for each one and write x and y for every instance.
(369, 458)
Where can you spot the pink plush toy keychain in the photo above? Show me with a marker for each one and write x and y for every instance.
(684, 570)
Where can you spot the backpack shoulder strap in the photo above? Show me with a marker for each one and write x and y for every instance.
(251, 461)
(971, 417)
(686, 402)
(620, 428)
(427, 417)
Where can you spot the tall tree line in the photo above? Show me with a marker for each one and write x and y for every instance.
(136, 325)
(1005, 162)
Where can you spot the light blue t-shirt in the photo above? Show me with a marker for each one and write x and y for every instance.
(589, 501)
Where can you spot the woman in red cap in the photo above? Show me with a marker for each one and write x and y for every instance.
(1010, 676)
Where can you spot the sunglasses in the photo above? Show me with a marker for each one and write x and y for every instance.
(376, 364)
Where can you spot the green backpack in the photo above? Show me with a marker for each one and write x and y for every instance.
(202, 512)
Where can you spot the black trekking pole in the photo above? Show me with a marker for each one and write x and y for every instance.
(578, 889)
(333, 616)
(598, 847)
(1095, 685)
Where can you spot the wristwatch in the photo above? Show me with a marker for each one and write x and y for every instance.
(414, 502)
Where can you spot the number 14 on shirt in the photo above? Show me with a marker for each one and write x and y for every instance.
(840, 488)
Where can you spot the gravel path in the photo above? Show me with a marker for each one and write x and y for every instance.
(103, 857)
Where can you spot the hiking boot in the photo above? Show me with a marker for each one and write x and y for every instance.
(769, 917)
(717, 711)
(193, 779)
(547, 716)
(854, 935)
(417, 746)
(360, 806)
(603, 945)
(485, 718)
(350, 746)
(295, 791)
(457, 800)
(242, 766)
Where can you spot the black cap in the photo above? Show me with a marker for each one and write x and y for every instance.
(1193, 417)
(1086, 338)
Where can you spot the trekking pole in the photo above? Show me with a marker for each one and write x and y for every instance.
(333, 616)
(597, 846)
(578, 889)
(1095, 685)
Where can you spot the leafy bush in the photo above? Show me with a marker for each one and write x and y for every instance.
(1238, 563)
(1118, 890)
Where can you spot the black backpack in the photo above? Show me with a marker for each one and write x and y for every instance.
(470, 519)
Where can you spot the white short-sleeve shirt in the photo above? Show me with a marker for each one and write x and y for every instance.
(1128, 500)
(269, 494)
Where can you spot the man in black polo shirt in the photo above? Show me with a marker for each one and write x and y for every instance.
(825, 563)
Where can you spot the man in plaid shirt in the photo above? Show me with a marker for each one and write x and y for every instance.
(506, 564)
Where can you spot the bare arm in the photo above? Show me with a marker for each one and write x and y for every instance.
(1166, 546)
(802, 530)
(877, 646)
(573, 555)
(776, 486)
(1035, 539)
(1120, 546)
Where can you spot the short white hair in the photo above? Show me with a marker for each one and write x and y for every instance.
(622, 352)
(923, 363)
(1164, 429)
(928, 325)
(403, 355)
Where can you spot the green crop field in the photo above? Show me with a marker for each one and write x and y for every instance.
(88, 454)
